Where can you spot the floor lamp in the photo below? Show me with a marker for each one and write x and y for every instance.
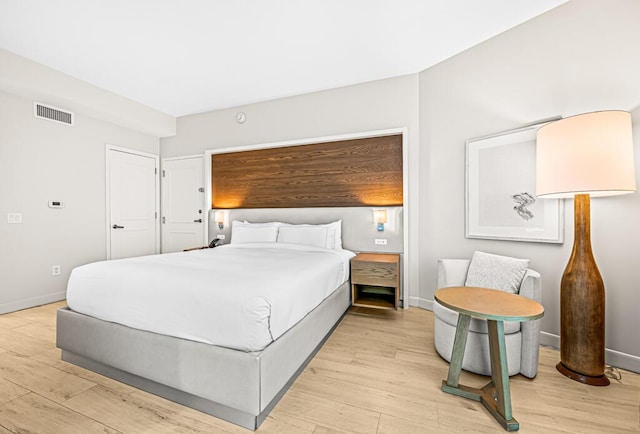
(578, 157)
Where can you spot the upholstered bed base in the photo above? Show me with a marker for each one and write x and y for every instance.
(237, 386)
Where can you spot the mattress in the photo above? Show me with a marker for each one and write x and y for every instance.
(240, 296)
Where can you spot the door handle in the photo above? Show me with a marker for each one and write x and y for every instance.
(117, 227)
(198, 221)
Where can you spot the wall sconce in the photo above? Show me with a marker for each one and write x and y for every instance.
(219, 217)
(380, 218)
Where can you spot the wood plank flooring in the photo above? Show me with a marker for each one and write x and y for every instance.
(376, 374)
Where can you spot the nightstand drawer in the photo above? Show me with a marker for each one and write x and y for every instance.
(374, 273)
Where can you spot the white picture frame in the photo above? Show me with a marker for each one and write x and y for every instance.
(500, 190)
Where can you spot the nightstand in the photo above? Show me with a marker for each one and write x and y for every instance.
(375, 280)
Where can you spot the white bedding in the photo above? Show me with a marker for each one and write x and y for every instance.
(240, 296)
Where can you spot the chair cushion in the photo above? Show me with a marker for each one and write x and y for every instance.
(477, 325)
(496, 272)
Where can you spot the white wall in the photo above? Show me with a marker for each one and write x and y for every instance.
(580, 57)
(370, 106)
(376, 105)
(41, 161)
(21, 76)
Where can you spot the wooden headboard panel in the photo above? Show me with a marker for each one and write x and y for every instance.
(359, 172)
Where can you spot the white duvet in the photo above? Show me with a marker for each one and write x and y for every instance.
(240, 296)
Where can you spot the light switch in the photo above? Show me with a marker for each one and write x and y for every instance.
(14, 217)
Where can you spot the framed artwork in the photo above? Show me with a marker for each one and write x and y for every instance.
(500, 191)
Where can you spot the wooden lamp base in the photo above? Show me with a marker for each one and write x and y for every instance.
(582, 307)
(600, 380)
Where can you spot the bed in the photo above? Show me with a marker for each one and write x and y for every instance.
(238, 378)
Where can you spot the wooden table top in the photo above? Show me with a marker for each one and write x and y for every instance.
(489, 303)
(377, 257)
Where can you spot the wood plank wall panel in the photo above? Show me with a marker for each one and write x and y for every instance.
(356, 172)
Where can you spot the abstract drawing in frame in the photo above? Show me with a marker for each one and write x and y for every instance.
(500, 193)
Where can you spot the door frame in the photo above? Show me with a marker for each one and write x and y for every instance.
(156, 158)
(205, 213)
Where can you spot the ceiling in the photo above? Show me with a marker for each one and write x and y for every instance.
(182, 57)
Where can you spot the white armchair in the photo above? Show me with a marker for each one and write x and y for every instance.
(522, 340)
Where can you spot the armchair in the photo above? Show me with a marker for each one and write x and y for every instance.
(522, 340)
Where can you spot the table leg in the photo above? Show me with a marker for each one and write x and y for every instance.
(501, 406)
(452, 383)
(457, 353)
(495, 396)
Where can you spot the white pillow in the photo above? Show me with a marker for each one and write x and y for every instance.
(496, 272)
(253, 232)
(309, 235)
(256, 225)
(334, 233)
(336, 227)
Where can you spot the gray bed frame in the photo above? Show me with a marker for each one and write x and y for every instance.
(237, 386)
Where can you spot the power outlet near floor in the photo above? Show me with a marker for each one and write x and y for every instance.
(55, 270)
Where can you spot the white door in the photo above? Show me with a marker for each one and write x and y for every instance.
(132, 203)
(183, 213)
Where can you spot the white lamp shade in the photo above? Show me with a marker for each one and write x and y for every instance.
(219, 216)
(591, 153)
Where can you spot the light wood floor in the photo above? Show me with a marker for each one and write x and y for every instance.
(374, 375)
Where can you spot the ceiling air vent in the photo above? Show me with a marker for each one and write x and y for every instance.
(52, 113)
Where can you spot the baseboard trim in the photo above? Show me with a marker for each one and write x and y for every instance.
(32, 302)
(622, 360)
(612, 357)
(422, 303)
(549, 340)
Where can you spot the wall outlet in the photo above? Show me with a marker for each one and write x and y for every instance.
(381, 241)
(55, 270)
(14, 217)
(221, 236)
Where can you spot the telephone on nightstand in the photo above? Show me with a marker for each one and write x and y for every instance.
(215, 243)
